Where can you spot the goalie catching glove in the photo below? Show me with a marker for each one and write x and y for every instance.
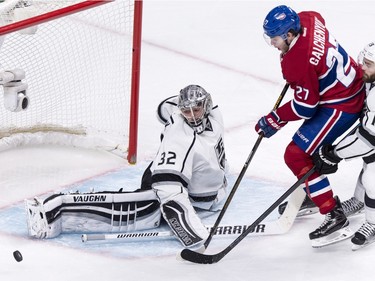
(325, 160)
(269, 124)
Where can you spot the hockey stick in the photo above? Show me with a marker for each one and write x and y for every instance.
(225, 230)
(279, 226)
(242, 173)
(197, 257)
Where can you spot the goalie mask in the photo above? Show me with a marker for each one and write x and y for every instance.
(195, 105)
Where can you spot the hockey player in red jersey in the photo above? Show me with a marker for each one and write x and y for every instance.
(360, 144)
(328, 95)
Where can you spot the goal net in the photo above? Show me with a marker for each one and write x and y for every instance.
(81, 62)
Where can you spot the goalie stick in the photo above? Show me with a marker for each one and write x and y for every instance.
(240, 176)
(278, 226)
(197, 257)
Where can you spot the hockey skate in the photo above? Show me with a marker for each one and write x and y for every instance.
(36, 218)
(334, 228)
(352, 207)
(364, 236)
(307, 208)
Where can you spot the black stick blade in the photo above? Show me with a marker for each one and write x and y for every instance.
(196, 257)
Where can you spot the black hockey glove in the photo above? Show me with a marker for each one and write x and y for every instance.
(325, 160)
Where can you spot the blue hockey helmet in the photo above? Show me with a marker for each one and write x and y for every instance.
(280, 20)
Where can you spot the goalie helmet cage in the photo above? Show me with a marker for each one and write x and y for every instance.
(82, 65)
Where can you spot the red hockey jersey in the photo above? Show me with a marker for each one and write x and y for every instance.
(321, 73)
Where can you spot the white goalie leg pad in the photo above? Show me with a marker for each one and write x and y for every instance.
(184, 221)
(37, 221)
(92, 212)
(110, 211)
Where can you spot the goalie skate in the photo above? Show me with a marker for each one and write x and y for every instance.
(36, 218)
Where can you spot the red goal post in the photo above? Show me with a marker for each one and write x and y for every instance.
(82, 65)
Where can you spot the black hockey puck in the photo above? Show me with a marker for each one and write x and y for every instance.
(17, 256)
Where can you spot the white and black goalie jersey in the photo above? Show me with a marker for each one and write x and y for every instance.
(193, 161)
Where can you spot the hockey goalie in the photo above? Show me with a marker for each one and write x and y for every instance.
(188, 173)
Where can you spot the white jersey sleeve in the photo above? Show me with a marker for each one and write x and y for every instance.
(166, 108)
(362, 142)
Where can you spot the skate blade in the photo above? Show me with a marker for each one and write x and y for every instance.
(333, 238)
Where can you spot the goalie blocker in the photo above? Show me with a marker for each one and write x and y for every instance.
(105, 211)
